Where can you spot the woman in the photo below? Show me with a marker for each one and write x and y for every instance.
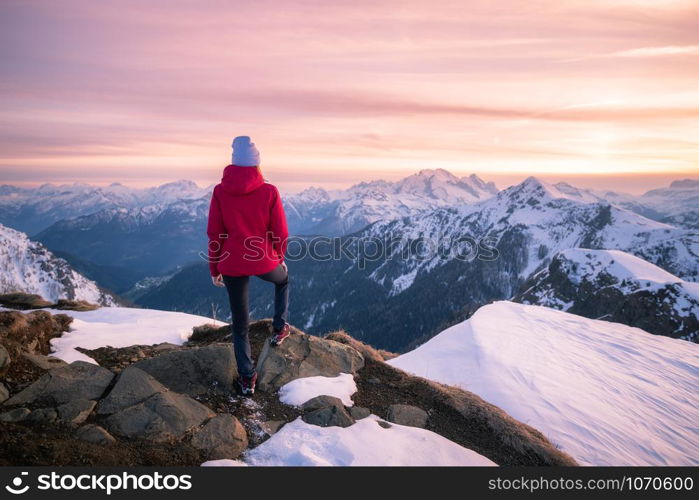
(247, 237)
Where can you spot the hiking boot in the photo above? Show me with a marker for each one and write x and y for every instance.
(280, 335)
(247, 384)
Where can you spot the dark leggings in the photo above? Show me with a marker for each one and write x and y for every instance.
(237, 287)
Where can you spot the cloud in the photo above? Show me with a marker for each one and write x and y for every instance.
(670, 50)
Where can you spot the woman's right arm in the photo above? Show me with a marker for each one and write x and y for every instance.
(215, 230)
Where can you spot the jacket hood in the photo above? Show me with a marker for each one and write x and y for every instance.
(241, 180)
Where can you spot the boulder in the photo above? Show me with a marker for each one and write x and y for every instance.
(194, 371)
(163, 416)
(43, 362)
(43, 415)
(303, 355)
(132, 387)
(4, 393)
(15, 415)
(358, 413)
(319, 402)
(407, 415)
(271, 427)
(4, 359)
(78, 380)
(76, 411)
(221, 437)
(94, 434)
(328, 417)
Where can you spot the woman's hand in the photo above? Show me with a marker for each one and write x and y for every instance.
(218, 280)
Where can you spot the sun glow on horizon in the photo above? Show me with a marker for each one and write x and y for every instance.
(335, 93)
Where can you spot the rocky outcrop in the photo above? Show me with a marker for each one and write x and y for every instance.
(586, 283)
(359, 412)
(79, 380)
(304, 356)
(132, 387)
(161, 417)
(43, 362)
(221, 437)
(150, 403)
(75, 411)
(24, 343)
(194, 371)
(94, 434)
(407, 415)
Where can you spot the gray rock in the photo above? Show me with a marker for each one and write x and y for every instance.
(78, 380)
(94, 434)
(271, 427)
(221, 437)
(329, 417)
(165, 346)
(194, 371)
(319, 402)
(76, 411)
(163, 416)
(358, 413)
(4, 358)
(4, 393)
(15, 415)
(407, 415)
(43, 362)
(304, 356)
(132, 387)
(43, 415)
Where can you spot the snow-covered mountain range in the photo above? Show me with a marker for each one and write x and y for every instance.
(677, 204)
(33, 209)
(402, 296)
(150, 240)
(27, 266)
(317, 211)
(606, 393)
(617, 286)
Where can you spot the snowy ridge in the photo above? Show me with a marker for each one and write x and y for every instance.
(617, 286)
(29, 267)
(628, 269)
(608, 394)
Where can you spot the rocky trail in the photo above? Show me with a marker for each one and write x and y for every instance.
(169, 404)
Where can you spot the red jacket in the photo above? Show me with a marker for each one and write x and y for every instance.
(247, 225)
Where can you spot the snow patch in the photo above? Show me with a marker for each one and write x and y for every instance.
(121, 327)
(366, 443)
(297, 392)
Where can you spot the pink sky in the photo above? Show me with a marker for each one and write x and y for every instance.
(602, 93)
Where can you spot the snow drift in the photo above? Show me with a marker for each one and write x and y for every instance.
(608, 394)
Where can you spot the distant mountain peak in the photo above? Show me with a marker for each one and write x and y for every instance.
(685, 184)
